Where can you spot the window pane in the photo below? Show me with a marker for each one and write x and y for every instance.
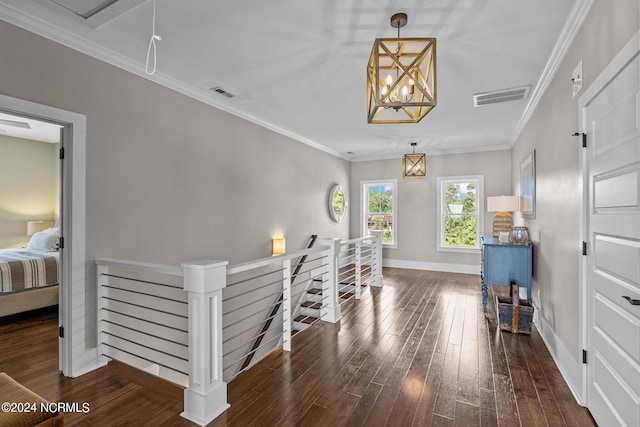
(380, 199)
(468, 197)
(460, 197)
(459, 230)
(381, 222)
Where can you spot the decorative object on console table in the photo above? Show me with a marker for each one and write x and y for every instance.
(514, 314)
(519, 236)
(504, 262)
(528, 185)
(502, 205)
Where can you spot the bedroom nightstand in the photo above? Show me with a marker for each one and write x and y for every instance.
(502, 262)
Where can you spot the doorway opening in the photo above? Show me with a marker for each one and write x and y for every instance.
(76, 355)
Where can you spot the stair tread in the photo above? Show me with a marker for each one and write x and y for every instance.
(314, 291)
(362, 285)
(311, 304)
(305, 319)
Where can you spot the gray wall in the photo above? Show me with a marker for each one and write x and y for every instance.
(417, 204)
(28, 187)
(170, 179)
(607, 28)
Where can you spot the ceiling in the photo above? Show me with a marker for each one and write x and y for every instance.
(299, 67)
(27, 128)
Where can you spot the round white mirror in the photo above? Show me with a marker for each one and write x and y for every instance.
(337, 203)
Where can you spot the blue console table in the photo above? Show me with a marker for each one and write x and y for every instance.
(503, 262)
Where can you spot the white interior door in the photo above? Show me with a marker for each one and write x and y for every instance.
(611, 120)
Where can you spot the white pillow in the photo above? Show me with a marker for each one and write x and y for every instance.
(54, 230)
(43, 242)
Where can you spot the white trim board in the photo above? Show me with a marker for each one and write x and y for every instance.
(432, 266)
(570, 370)
(76, 356)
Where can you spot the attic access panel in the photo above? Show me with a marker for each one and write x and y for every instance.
(97, 12)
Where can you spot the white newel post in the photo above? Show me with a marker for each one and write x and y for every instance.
(206, 396)
(376, 262)
(330, 311)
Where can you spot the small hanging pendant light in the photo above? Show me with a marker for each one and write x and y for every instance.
(414, 166)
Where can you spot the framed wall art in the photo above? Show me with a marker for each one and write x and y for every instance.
(528, 185)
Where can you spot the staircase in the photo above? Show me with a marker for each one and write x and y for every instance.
(307, 311)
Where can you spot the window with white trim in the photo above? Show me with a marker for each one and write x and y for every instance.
(379, 209)
(460, 213)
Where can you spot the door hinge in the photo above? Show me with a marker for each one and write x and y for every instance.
(61, 153)
(61, 331)
(61, 243)
(584, 248)
(584, 138)
(584, 356)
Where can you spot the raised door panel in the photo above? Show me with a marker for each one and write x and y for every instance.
(613, 227)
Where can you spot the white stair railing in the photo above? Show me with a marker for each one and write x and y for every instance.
(170, 321)
(259, 283)
(147, 320)
(360, 263)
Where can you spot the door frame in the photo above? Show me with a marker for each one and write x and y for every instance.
(74, 357)
(626, 54)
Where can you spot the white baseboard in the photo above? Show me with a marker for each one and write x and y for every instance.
(570, 369)
(432, 266)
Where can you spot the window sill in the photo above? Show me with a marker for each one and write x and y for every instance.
(459, 250)
(389, 246)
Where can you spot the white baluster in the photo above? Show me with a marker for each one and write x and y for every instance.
(358, 263)
(287, 318)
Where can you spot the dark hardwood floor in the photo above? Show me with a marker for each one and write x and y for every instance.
(418, 351)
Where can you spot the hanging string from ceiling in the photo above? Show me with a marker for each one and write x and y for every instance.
(152, 44)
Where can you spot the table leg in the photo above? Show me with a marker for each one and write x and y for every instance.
(484, 296)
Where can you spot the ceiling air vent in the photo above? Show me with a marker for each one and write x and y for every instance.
(221, 91)
(497, 96)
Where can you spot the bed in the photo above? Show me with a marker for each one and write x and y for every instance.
(29, 276)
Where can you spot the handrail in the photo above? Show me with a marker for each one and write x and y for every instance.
(356, 240)
(250, 265)
(276, 307)
(171, 270)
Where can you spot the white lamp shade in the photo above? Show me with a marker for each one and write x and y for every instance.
(34, 226)
(503, 204)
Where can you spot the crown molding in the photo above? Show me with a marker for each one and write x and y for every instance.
(437, 152)
(568, 34)
(87, 47)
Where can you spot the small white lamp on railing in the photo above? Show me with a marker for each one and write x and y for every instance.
(35, 226)
(502, 205)
(278, 245)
